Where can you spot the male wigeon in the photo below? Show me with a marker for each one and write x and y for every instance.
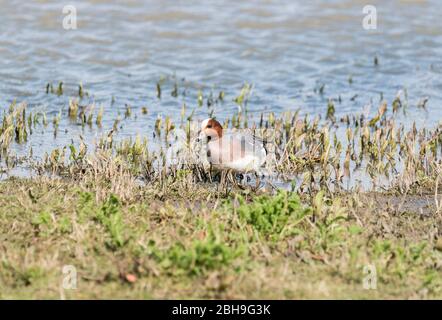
(239, 151)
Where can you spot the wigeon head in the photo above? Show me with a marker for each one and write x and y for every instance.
(211, 130)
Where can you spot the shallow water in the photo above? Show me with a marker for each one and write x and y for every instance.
(286, 49)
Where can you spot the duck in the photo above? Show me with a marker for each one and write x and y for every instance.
(240, 151)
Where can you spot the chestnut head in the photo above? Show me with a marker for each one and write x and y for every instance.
(211, 130)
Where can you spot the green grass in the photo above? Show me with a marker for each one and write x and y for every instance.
(134, 227)
(273, 216)
(251, 246)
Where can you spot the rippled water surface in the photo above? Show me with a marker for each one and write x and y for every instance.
(286, 49)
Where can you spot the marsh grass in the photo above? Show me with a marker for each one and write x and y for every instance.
(216, 249)
(136, 227)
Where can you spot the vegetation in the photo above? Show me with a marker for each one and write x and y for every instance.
(136, 225)
(252, 247)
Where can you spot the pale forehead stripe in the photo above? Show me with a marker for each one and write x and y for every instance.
(205, 123)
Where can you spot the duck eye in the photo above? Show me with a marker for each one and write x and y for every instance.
(209, 138)
(209, 126)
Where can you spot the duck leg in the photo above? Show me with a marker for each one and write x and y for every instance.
(229, 179)
(257, 181)
(223, 179)
(210, 174)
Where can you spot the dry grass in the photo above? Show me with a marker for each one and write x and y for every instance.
(150, 248)
(136, 228)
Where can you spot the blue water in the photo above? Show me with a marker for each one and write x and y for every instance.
(286, 49)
